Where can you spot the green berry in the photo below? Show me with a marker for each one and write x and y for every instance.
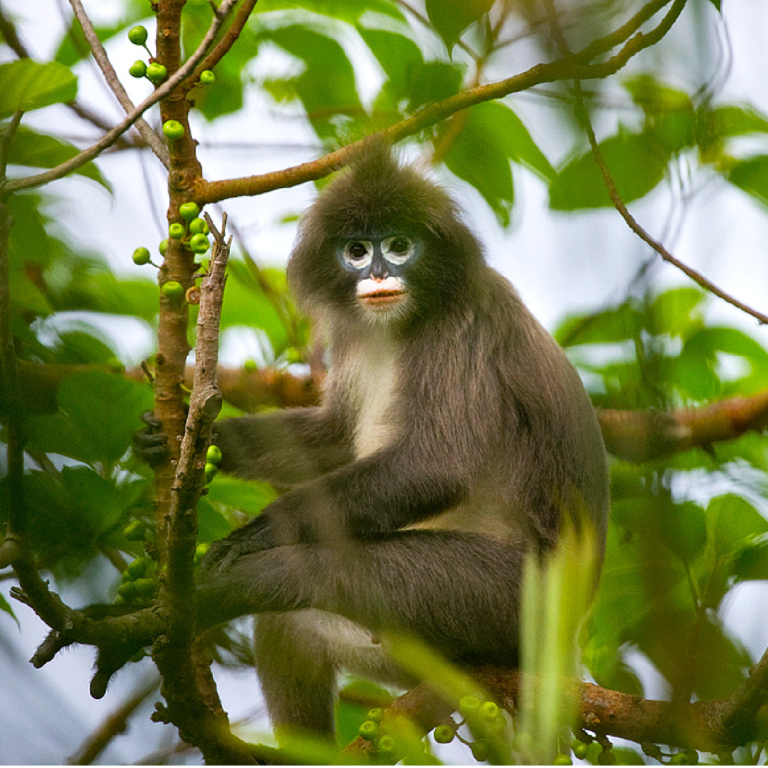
(145, 587)
(198, 226)
(201, 550)
(173, 130)
(293, 355)
(173, 289)
(479, 751)
(468, 706)
(176, 230)
(135, 530)
(250, 365)
(369, 730)
(210, 471)
(214, 456)
(580, 749)
(444, 734)
(606, 757)
(386, 744)
(138, 69)
(163, 247)
(141, 256)
(207, 77)
(680, 758)
(127, 590)
(489, 711)
(138, 35)
(561, 759)
(189, 210)
(156, 73)
(199, 243)
(136, 568)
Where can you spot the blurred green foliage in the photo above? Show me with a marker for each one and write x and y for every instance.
(686, 529)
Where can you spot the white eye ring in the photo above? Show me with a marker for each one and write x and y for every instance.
(354, 257)
(399, 256)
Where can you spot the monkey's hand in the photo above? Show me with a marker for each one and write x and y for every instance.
(255, 536)
(151, 443)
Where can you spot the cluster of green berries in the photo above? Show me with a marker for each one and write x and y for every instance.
(213, 457)
(155, 72)
(138, 585)
(485, 718)
(193, 234)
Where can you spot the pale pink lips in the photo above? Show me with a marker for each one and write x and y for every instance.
(380, 292)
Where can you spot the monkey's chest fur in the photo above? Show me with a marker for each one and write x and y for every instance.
(369, 382)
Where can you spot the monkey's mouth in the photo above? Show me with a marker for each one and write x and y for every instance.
(381, 293)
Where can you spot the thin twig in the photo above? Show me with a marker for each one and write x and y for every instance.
(6, 139)
(155, 143)
(111, 137)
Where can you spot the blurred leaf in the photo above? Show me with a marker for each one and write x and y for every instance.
(98, 414)
(26, 85)
(248, 496)
(636, 163)
(733, 524)
(607, 327)
(247, 305)
(211, 524)
(26, 295)
(39, 150)
(432, 81)
(398, 55)
(751, 176)
(225, 96)
(672, 311)
(327, 86)
(752, 562)
(451, 17)
(476, 158)
(345, 10)
(731, 120)
(104, 292)
(6, 608)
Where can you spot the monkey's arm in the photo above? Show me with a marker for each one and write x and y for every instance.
(366, 498)
(284, 447)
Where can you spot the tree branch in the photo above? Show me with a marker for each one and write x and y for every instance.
(565, 68)
(154, 142)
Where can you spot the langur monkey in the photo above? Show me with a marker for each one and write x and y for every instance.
(453, 437)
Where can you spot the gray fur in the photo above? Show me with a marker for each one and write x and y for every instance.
(452, 437)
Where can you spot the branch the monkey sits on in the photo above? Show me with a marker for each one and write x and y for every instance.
(453, 437)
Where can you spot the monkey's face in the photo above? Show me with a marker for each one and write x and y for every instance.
(380, 267)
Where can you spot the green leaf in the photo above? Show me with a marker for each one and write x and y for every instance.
(672, 312)
(636, 163)
(246, 496)
(6, 608)
(732, 120)
(433, 81)
(211, 524)
(451, 17)
(40, 150)
(26, 85)
(398, 55)
(733, 524)
(345, 10)
(327, 87)
(607, 327)
(751, 176)
(718, 5)
(98, 415)
(476, 156)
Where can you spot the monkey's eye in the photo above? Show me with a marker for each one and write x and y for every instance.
(397, 249)
(358, 253)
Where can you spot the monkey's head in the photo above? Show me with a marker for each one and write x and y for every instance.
(383, 244)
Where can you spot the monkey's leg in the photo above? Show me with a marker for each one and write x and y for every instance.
(296, 674)
(458, 592)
